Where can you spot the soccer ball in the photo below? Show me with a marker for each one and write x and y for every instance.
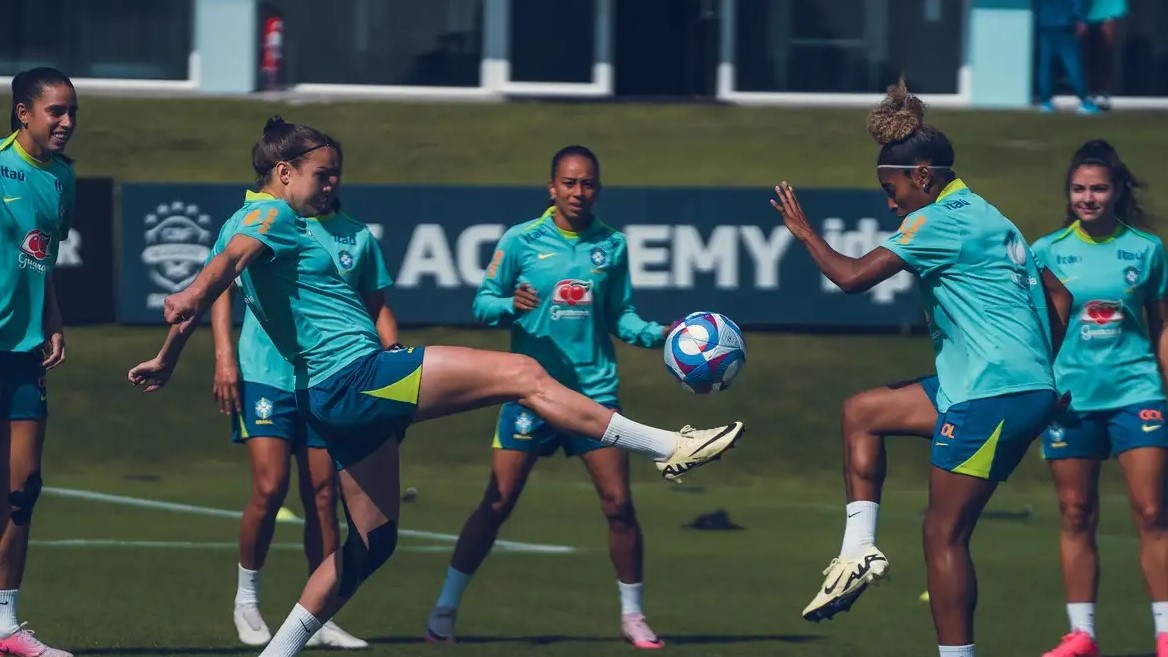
(705, 352)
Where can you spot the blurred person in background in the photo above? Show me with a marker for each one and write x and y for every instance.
(1058, 22)
(1103, 21)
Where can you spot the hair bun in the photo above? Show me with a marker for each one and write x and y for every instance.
(275, 121)
(897, 116)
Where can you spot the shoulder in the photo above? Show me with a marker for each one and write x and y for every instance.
(1146, 239)
(349, 224)
(527, 231)
(1049, 240)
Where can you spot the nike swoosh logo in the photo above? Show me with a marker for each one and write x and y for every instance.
(854, 514)
(9, 199)
(541, 256)
(1149, 428)
(712, 440)
(861, 571)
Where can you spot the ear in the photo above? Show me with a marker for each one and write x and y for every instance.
(924, 177)
(284, 172)
(551, 187)
(23, 114)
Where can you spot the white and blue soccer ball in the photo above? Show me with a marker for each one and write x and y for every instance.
(705, 352)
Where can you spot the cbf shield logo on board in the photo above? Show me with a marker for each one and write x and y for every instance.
(178, 240)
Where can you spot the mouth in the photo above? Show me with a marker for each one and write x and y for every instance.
(59, 138)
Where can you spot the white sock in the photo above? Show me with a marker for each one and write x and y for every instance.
(452, 588)
(1082, 616)
(1159, 614)
(247, 588)
(290, 639)
(956, 651)
(639, 438)
(860, 530)
(8, 622)
(630, 597)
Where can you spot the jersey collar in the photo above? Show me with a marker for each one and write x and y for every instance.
(1077, 230)
(13, 142)
(952, 188)
(251, 196)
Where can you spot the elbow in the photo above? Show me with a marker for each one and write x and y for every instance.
(853, 284)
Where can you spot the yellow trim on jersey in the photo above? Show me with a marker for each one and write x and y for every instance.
(28, 158)
(403, 390)
(980, 464)
(952, 188)
(1077, 229)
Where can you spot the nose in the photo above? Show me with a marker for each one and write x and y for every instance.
(892, 204)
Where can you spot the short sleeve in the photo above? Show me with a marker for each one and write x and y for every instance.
(274, 225)
(1158, 273)
(1040, 249)
(926, 242)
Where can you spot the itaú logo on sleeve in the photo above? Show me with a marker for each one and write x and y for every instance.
(571, 299)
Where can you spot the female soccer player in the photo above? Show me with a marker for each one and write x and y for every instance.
(38, 189)
(995, 388)
(264, 418)
(358, 396)
(1118, 275)
(561, 282)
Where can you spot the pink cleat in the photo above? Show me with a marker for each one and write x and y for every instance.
(1162, 644)
(1077, 644)
(637, 632)
(22, 643)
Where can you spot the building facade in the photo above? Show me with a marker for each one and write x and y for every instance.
(977, 53)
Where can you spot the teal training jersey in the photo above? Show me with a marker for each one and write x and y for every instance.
(359, 261)
(1107, 360)
(982, 297)
(38, 210)
(582, 282)
(298, 291)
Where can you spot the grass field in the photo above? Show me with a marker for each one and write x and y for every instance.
(110, 578)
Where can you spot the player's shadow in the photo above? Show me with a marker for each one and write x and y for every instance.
(548, 639)
(167, 650)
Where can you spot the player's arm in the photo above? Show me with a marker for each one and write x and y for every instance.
(225, 385)
(373, 280)
(54, 327)
(852, 275)
(494, 303)
(186, 307)
(621, 314)
(1157, 308)
(1058, 307)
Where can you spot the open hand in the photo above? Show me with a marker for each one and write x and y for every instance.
(793, 216)
(152, 375)
(525, 298)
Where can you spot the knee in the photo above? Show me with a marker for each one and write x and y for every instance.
(857, 413)
(360, 559)
(269, 489)
(22, 501)
(617, 506)
(324, 497)
(1149, 517)
(529, 377)
(498, 505)
(940, 533)
(1077, 514)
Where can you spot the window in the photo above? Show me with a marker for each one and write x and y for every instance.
(553, 40)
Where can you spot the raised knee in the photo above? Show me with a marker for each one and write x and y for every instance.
(857, 412)
(22, 501)
(529, 376)
(1077, 514)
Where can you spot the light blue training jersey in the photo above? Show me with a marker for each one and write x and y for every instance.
(37, 212)
(299, 290)
(359, 261)
(1107, 360)
(982, 297)
(585, 295)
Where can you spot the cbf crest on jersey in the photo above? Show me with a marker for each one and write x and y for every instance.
(1131, 276)
(599, 257)
(178, 240)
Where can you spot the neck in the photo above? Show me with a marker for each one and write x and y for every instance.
(34, 150)
(578, 225)
(1101, 227)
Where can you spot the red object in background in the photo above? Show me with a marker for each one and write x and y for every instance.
(273, 49)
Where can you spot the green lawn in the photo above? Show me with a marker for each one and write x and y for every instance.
(709, 593)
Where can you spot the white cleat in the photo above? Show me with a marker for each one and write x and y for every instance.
(253, 631)
(697, 447)
(330, 635)
(845, 580)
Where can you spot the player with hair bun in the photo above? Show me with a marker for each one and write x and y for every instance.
(995, 332)
(359, 396)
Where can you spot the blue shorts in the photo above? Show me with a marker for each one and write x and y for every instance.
(521, 430)
(987, 438)
(365, 403)
(1100, 434)
(269, 412)
(23, 395)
